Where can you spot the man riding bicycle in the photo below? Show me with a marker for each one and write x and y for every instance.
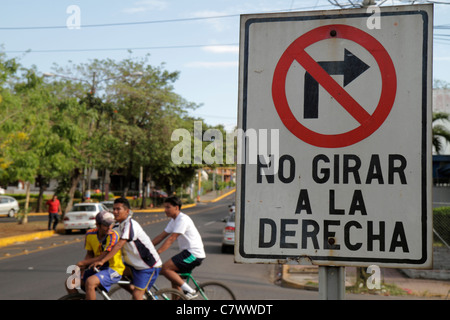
(181, 228)
(139, 254)
(98, 243)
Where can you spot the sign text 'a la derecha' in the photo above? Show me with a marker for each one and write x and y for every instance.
(339, 170)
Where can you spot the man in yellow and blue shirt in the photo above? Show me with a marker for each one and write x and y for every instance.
(98, 243)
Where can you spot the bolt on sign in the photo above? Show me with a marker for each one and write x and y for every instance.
(335, 117)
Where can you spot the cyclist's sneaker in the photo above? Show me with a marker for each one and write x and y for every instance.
(191, 296)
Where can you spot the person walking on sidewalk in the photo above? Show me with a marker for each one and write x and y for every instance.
(181, 228)
(54, 210)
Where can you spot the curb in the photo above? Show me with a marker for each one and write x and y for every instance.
(220, 197)
(162, 209)
(286, 282)
(26, 237)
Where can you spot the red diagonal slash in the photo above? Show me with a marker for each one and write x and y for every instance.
(332, 87)
(369, 123)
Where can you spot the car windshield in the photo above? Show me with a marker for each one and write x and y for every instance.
(83, 208)
(108, 205)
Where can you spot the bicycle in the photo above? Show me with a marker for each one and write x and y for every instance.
(211, 290)
(119, 292)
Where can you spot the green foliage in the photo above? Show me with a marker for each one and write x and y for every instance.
(99, 115)
(440, 133)
(441, 223)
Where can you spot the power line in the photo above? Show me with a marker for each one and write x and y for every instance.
(120, 23)
(439, 27)
(441, 37)
(169, 20)
(145, 22)
(123, 48)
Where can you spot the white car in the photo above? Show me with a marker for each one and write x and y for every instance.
(82, 216)
(108, 204)
(228, 231)
(8, 206)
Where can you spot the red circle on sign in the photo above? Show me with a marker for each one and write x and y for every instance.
(368, 123)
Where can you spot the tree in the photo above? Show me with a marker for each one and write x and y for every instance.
(84, 120)
(34, 122)
(440, 131)
(49, 130)
(96, 115)
(25, 127)
(73, 126)
(148, 110)
(10, 113)
(440, 84)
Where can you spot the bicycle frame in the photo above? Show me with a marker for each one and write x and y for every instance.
(127, 282)
(105, 294)
(188, 277)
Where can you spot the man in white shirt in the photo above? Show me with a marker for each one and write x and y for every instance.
(139, 254)
(181, 228)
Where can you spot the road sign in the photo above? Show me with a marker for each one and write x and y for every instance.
(336, 116)
(351, 67)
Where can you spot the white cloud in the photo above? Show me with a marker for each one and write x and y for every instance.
(222, 49)
(441, 58)
(207, 64)
(146, 5)
(219, 24)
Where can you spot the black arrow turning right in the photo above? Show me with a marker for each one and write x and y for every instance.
(352, 67)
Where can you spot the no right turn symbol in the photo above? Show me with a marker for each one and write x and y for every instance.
(318, 73)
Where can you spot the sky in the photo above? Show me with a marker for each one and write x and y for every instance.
(198, 38)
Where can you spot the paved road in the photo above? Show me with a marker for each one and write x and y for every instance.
(37, 269)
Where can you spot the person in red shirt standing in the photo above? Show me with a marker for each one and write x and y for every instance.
(54, 209)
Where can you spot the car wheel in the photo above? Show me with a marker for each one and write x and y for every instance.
(11, 213)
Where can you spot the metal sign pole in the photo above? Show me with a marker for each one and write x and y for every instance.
(332, 283)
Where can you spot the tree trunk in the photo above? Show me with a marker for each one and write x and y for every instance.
(24, 219)
(74, 180)
(146, 182)
(42, 187)
(128, 177)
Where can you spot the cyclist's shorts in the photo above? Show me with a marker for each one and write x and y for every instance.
(143, 279)
(186, 261)
(107, 277)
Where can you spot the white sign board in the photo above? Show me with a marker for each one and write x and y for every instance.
(335, 107)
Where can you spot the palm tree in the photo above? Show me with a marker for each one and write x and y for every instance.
(440, 130)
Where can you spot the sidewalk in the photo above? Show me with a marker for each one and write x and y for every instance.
(215, 196)
(433, 283)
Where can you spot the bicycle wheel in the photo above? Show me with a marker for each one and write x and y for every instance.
(73, 296)
(215, 291)
(117, 292)
(169, 294)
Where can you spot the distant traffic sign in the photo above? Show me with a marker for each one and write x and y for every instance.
(349, 180)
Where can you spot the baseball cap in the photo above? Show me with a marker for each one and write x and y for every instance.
(105, 218)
